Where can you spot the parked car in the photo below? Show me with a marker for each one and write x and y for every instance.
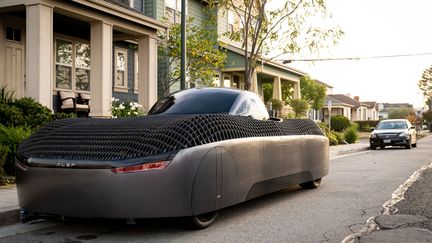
(393, 132)
(196, 152)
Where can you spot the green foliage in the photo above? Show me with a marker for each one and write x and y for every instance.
(332, 137)
(276, 104)
(427, 116)
(299, 107)
(351, 134)
(10, 138)
(399, 113)
(125, 109)
(287, 91)
(365, 126)
(425, 85)
(6, 96)
(267, 92)
(339, 123)
(34, 114)
(62, 115)
(313, 92)
(340, 137)
(204, 58)
(281, 29)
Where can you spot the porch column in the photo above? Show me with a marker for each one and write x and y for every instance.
(277, 88)
(101, 49)
(39, 53)
(296, 94)
(147, 74)
(254, 83)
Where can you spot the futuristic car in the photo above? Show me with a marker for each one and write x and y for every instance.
(196, 152)
(393, 132)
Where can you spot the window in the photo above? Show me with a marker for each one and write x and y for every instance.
(230, 21)
(120, 72)
(72, 65)
(227, 81)
(13, 34)
(173, 11)
(136, 73)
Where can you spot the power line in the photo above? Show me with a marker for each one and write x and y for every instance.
(354, 58)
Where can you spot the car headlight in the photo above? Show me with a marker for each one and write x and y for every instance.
(404, 134)
(373, 135)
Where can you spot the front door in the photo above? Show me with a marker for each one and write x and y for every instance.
(14, 69)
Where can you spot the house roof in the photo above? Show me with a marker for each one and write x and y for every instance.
(335, 102)
(346, 99)
(325, 84)
(369, 103)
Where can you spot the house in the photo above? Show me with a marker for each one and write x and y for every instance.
(387, 107)
(372, 110)
(317, 115)
(233, 73)
(344, 105)
(102, 48)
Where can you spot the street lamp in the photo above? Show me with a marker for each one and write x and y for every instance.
(329, 107)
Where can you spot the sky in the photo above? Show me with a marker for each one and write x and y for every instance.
(376, 28)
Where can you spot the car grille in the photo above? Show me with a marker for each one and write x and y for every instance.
(387, 135)
(125, 138)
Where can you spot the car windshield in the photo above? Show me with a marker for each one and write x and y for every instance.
(195, 102)
(392, 125)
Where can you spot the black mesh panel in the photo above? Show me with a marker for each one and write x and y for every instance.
(125, 138)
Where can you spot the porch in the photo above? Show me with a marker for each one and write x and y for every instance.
(48, 46)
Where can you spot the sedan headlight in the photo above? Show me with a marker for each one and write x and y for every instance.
(373, 135)
(404, 134)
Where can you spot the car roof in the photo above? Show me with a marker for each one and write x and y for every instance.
(392, 120)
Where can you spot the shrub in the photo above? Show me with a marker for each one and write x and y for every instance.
(351, 134)
(276, 104)
(6, 96)
(340, 137)
(365, 126)
(10, 115)
(299, 107)
(11, 137)
(34, 113)
(332, 138)
(62, 115)
(339, 123)
(125, 109)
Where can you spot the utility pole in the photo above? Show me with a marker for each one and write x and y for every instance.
(183, 46)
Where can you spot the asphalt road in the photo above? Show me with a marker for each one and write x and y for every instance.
(355, 190)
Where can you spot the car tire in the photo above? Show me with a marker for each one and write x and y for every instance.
(414, 145)
(382, 147)
(202, 221)
(311, 184)
(409, 145)
(373, 147)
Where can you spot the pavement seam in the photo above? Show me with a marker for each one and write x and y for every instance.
(388, 206)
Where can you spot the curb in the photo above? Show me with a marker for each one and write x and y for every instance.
(9, 216)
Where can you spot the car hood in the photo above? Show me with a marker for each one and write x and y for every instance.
(138, 137)
(389, 131)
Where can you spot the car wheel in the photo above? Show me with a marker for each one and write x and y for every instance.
(414, 145)
(408, 146)
(203, 221)
(382, 147)
(373, 147)
(311, 184)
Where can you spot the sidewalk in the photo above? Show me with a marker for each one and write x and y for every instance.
(9, 210)
(345, 149)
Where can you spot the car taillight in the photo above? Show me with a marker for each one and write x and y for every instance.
(142, 167)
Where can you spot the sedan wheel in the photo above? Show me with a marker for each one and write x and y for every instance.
(373, 147)
(408, 146)
(203, 220)
(311, 184)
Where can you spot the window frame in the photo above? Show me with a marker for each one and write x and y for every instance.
(73, 66)
(136, 72)
(118, 88)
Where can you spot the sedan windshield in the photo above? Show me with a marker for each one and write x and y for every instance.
(392, 125)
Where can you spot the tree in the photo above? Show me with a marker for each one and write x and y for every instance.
(204, 58)
(269, 30)
(312, 92)
(399, 113)
(425, 85)
(299, 107)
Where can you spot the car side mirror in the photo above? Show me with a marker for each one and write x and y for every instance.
(412, 127)
(372, 129)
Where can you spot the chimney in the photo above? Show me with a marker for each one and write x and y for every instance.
(356, 98)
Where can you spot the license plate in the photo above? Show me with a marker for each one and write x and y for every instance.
(387, 140)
